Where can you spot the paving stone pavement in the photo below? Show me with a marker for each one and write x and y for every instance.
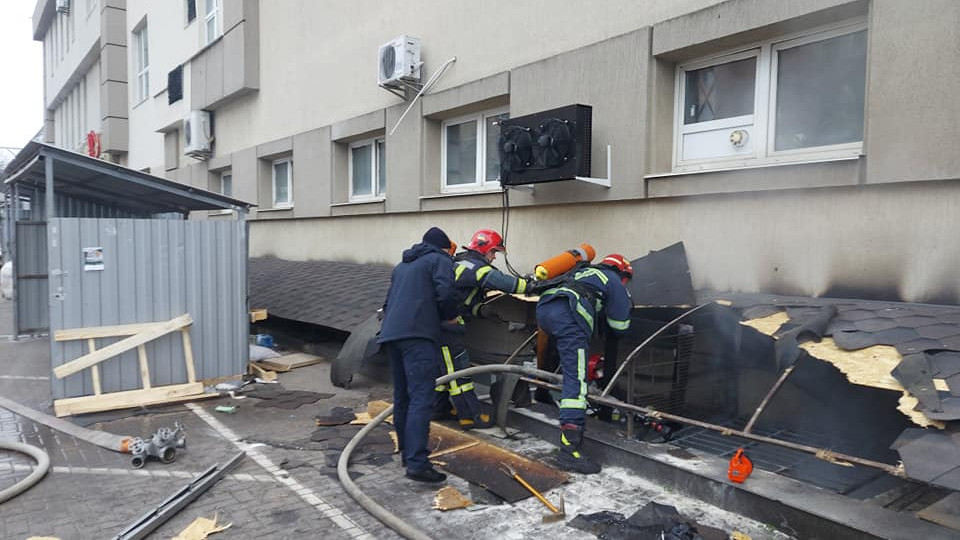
(93, 493)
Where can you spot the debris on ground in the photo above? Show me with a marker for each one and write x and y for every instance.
(652, 521)
(373, 409)
(285, 399)
(285, 363)
(336, 417)
(201, 528)
(229, 409)
(449, 498)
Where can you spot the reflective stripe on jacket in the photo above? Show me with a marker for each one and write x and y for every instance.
(593, 290)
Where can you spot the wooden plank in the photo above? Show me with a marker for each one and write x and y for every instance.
(291, 361)
(144, 367)
(104, 331)
(94, 370)
(123, 400)
(188, 355)
(121, 346)
(262, 373)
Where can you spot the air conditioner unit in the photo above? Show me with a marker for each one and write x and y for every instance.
(198, 134)
(63, 6)
(399, 62)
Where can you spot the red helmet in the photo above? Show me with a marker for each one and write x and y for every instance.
(619, 263)
(486, 240)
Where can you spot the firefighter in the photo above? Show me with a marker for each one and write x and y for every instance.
(421, 295)
(569, 314)
(474, 275)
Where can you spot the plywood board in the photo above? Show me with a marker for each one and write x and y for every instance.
(123, 400)
(480, 464)
(768, 325)
(291, 361)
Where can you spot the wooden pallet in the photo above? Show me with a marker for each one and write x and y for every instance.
(139, 336)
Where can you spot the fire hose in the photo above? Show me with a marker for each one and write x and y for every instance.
(549, 380)
(43, 465)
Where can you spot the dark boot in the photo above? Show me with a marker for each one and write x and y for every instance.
(427, 475)
(482, 421)
(570, 457)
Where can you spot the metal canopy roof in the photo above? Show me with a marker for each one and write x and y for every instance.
(90, 179)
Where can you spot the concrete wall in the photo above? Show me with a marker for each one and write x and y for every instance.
(872, 225)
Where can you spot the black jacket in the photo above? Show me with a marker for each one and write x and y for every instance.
(421, 295)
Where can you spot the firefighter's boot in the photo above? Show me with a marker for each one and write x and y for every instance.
(571, 457)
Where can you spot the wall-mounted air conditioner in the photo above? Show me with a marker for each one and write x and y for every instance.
(63, 6)
(399, 61)
(198, 134)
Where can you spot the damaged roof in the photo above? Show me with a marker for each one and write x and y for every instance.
(915, 348)
(338, 295)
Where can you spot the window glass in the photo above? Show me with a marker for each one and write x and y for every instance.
(281, 182)
(820, 92)
(381, 167)
(362, 159)
(226, 185)
(722, 91)
(143, 64)
(461, 153)
(210, 19)
(492, 159)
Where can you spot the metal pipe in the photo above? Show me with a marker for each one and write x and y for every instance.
(822, 453)
(48, 176)
(646, 342)
(520, 348)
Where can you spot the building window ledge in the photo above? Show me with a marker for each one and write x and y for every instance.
(358, 202)
(461, 194)
(753, 166)
(275, 209)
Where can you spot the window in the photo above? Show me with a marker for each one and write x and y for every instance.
(368, 177)
(191, 6)
(226, 184)
(211, 20)
(469, 157)
(283, 183)
(175, 85)
(140, 40)
(91, 6)
(797, 98)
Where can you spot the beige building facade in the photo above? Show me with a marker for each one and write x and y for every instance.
(805, 147)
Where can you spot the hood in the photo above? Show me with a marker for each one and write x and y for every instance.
(419, 250)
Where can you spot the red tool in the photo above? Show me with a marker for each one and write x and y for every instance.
(740, 467)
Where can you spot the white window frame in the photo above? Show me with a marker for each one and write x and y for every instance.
(141, 37)
(765, 96)
(375, 165)
(223, 177)
(481, 183)
(91, 5)
(273, 183)
(213, 15)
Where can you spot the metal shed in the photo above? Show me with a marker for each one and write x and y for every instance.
(95, 244)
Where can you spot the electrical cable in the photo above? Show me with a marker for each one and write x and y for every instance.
(430, 82)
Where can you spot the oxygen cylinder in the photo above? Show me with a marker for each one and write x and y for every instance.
(564, 262)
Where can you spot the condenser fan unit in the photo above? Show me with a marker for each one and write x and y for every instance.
(546, 146)
(388, 63)
(515, 148)
(555, 143)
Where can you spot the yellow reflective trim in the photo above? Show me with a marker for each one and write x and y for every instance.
(591, 272)
(521, 285)
(441, 388)
(573, 404)
(467, 387)
(582, 374)
(448, 361)
(483, 271)
(576, 454)
(458, 271)
(470, 296)
(563, 439)
(618, 325)
(585, 314)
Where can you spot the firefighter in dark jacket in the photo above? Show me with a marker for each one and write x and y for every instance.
(473, 275)
(568, 313)
(421, 295)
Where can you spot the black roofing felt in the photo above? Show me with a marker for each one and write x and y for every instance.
(94, 180)
(338, 295)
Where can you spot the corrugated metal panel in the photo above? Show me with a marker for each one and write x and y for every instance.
(153, 270)
(31, 267)
(78, 208)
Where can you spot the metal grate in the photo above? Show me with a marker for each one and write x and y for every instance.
(784, 461)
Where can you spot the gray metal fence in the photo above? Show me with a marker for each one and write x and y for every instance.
(151, 270)
(31, 277)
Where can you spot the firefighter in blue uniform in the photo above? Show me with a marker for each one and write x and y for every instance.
(421, 295)
(568, 313)
(474, 275)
